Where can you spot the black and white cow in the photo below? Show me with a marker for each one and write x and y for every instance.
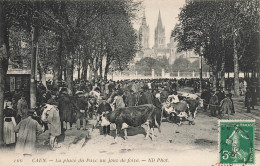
(187, 107)
(193, 105)
(135, 116)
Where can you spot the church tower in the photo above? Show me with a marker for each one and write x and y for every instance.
(144, 31)
(159, 36)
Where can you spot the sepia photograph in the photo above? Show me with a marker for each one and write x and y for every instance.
(129, 82)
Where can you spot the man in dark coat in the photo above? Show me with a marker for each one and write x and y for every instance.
(156, 102)
(52, 100)
(81, 106)
(66, 110)
(205, 95)
(146, 97)
(221, 94)
(248, 99)
(104, 108)
(254, 97)
(229, 95)
(22, 108)
(164, 95)
(130, 98)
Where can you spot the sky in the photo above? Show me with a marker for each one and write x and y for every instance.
(169, 14)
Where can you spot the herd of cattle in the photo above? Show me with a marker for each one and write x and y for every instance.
(134, 116)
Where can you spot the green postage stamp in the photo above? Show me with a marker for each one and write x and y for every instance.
(236, 141)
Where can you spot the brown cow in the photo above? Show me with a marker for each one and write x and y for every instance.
(136, 116)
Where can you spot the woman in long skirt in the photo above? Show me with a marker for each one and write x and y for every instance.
(9, 124)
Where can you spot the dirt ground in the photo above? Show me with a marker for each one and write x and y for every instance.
(183, 145)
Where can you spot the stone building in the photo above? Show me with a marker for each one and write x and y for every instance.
(144, 32)
(160, 48)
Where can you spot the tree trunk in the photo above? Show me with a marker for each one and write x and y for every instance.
(90, 74)
(33, 63)
(70, 67)
(200, 74)
(236, 68)
(59, 76)
(215, 78)
(101, 69)
(85, 72)
(57, 71)
(3, 67)
(2, 91)
(55, 77)
(79, 57)
(95, 75)
(222, 73)
(78, 73)
(65, 74)
(40, 68)
(106, 70)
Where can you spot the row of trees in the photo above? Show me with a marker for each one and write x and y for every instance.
(225, 33)
(64, 36)
(145, 66)
(184, 65)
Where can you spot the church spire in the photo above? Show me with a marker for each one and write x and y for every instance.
(144, 19)
(159, 36)
(159, 22)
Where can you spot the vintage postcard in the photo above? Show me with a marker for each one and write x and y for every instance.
(129, 82)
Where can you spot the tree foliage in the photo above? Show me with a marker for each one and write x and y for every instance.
(222, 32)
(145, 66)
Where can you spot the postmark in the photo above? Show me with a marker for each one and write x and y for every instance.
(236, 141)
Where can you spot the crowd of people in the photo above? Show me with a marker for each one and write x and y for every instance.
(90, 99)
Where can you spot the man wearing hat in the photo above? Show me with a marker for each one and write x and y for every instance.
(146, 97)
(118, 100)
(205, 95)
(164, 95)
(229, 95)
(27, 130)
(53, 100)
(54, 124)
(104, 108)
(66, 108)
(213, 102)
(130, 98)
(248, 99)
(220, 93)
(22, 108)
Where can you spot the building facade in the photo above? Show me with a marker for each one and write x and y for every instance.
(160, 48)
(159, 34)
(144, 34)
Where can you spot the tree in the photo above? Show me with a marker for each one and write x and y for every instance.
(59, 31)
(209, 27)
(145, 66)
(4, 55)
(181, 64)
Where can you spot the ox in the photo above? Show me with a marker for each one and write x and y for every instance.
(182, 110)
(193, 105)
(135, 116)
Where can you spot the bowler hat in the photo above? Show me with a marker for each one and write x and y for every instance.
(30, 112)
(103, 98)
